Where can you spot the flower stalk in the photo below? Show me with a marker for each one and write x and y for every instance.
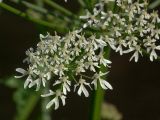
(99, 94)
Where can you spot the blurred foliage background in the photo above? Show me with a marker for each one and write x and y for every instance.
(136, 85)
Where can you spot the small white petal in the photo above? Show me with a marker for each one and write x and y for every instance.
(22, 71)
(85, 91)
(35, 82)
(63, 100)
(102, 84)
(43, 81)
(158, 47)
(50, 104)
(27, 82)
(49, 94)
(94, 82)
(107, 84)
(64, 90)
(56, 103)
(153, 55)
(80, 91)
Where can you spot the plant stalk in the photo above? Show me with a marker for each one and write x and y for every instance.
(58, 7)
(46, 114)
(99, 93)
(32, 19)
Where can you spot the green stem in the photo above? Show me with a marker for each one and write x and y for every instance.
(154, 4)
(24, 15)
(45, 113)
(35, 7)
(31, 103)
(99, 93)
(58, 7)
(81, 2)
(98, 99)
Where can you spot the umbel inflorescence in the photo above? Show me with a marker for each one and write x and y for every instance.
(130, 28)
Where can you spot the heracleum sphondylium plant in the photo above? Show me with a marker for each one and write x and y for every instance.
(129, 29)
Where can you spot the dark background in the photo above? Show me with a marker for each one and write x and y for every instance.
(136, 91)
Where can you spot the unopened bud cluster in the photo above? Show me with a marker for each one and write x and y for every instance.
(129, 29)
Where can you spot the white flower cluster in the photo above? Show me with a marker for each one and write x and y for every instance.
(129, 29)
(67, 58)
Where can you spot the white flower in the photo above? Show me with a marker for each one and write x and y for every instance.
(41, 79)
(58, 94)
(98, 77)
(155, 17)
(65, 83)
(151, 49)
(104, 61)
(91, 18)
(28, 81)
(82, 88)
(59, 69)
(80, 67)
(91, 65)
(111, 42)
(22, 71)
(156, 33)
(121, 43)
(137, 50)
(36, 82)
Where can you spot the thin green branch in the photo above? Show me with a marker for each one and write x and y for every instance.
(32, 19)
(154, 4)
(58, 7)
(35, 7)
(44, 11)
(81, 2)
